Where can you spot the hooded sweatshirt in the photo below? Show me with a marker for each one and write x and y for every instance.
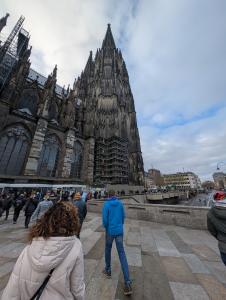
(216, 223)
(64, 255)
(113, 216)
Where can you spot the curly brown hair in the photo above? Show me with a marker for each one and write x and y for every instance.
(59, 220)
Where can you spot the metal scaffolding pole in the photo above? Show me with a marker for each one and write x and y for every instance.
(11, 50)
(10, 38)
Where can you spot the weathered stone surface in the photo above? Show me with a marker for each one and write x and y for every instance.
(88, 243)
(137, 276)
(148, 245)
(155, 281)
(177, 270)
(178, 242)
(205, 253)
(11, 250)
(133, 237)
(133, 256)
(167, 224)
(153, 276)
(195, 264)
(36, 148)
(69, 143)
(164, 245)
(184, 291)
(214, 288)
(90, 266)
(189, 236)
(97, 250)
(6, 268)
(217, 269)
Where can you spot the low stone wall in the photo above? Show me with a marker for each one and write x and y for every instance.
(124, 187)
(186, 216)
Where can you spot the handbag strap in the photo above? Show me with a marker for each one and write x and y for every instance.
(41, 288)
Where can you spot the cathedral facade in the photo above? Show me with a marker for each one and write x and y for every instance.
(87, 134)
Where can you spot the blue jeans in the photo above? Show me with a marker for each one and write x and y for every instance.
(121, 253)
(223, 257)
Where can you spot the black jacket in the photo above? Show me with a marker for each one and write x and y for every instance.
(30, 206)
(216, 223)
(1, 207)
(19, 202)
(7, 202)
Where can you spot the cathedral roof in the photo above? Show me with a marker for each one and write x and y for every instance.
(33, 75)
(108, 41)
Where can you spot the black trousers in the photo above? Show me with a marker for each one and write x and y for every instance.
(16, 214)
(7, 213)
(27, 220)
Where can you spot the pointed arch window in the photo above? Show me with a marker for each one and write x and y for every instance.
(14, 145)
(48, 160)
(76, 166)
(29, 101)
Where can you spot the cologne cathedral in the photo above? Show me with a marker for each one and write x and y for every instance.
(85, 134)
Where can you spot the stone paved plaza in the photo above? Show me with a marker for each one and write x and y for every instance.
(166, 262)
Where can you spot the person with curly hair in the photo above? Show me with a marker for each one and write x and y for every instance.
(54, 254)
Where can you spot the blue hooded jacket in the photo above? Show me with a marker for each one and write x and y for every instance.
(113, 216)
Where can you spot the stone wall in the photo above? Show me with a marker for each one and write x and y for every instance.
(186, 216)
(125, 187)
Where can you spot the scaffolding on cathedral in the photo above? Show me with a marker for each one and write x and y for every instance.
(11, 50)
(111, 163)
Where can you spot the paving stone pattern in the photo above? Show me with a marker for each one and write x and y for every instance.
(166, 262)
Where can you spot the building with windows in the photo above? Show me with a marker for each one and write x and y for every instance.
(87, 133)
(156, 176)
(182, 180)
(148, 181)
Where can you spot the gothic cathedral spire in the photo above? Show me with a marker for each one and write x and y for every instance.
(108, 41)
(110, 117)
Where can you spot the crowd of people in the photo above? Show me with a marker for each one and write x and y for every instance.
(34, 204)
(51, 265)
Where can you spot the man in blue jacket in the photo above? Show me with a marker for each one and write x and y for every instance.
(113, 219)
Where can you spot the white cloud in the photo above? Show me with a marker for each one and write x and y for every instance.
(176, 57)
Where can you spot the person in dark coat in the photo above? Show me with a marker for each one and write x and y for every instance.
(29, 208)
(65, 196)
(216, 223)
(7, 203)
(18, 205)
(82, 210)
(1, 205)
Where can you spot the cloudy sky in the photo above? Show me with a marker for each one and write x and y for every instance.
(175, 51)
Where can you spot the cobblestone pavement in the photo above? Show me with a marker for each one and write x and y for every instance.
(166, 262)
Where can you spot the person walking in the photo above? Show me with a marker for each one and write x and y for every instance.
(42, 207)
(1, 204)
(82, 210)
(29, 208)
(216, 224)
(53, 255)
(18, 205)
(7, 203)
(113, 219)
